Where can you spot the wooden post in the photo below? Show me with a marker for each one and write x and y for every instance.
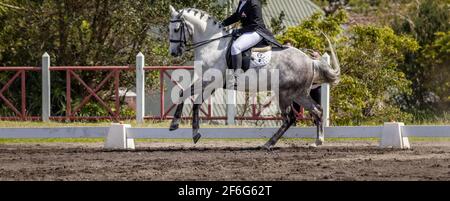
(140, 88)
(46, 109)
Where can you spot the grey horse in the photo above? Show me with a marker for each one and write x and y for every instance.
(297, 71)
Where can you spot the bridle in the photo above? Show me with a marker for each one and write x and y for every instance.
(183, 36)
(182, 28)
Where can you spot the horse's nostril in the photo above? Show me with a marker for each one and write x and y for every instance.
(173, 54)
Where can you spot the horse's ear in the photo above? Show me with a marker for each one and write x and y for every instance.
(173, 12)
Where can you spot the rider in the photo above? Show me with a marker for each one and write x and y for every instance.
(249, 13)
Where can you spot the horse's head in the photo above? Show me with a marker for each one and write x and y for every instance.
(192, 28)
(179, 32)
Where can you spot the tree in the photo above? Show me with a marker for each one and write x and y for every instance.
(437, 56)
(371, 80)
(7, 5)
(332, 5)
(422, 22)
(276, 24)
(308, 33)
(97, 32)
(369, 55)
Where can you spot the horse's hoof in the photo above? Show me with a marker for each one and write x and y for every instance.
(319, 142)
(173, 127)
(196, 138)
(267, 147)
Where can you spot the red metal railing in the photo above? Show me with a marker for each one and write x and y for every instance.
(93, 94)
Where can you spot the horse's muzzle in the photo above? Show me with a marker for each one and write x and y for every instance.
(177, 53)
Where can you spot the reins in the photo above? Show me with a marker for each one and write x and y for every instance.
(183, 39)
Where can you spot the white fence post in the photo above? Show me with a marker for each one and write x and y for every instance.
(231, 107)
(140, 88)
(325, 97)
(46, 109)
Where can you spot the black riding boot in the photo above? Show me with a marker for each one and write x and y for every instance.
(236, 63)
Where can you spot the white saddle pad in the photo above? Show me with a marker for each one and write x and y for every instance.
(260, 59)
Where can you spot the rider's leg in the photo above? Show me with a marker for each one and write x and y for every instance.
(244, 42)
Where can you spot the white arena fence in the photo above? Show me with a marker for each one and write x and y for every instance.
(121, 136)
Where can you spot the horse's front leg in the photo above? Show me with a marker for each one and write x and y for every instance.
(179, 110)
(196, 111)
(177, 117)
(196, 123)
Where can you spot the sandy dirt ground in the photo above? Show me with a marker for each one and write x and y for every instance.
(225, 160)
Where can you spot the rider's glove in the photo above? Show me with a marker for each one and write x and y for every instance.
(236, 33)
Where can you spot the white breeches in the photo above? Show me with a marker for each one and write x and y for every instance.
(245, 42)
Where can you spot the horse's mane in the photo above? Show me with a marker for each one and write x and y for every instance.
(203, 16)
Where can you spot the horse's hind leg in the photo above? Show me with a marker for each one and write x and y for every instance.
(316, 112)
(289, 119)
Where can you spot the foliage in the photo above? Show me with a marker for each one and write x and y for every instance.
(437, 56)
(369, 58)
(307, 34)
(276, 24)
(87, 33)
(427, 67)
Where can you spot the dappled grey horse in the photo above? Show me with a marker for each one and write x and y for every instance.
(297, 71)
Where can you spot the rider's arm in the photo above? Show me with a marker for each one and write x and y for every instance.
(256, 10)
(231, 20)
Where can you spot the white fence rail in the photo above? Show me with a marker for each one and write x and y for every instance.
(391, 134)
(214, 133)
(426, 131)
(66, 132)
(220, 133)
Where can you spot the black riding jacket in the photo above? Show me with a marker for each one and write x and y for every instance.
(251, 19)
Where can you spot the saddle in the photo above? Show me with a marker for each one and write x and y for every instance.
(255, 57)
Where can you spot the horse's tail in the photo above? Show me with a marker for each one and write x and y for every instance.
(332, 73)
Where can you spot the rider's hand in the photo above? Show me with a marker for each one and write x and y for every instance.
(236, 33)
